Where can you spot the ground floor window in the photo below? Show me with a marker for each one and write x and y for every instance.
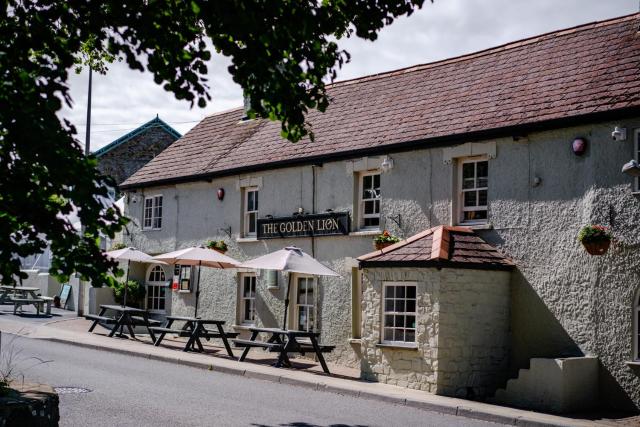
(305, 303)
(636, 325)
(399, 316)
(248, 298)
(156, 297)
(185, 274)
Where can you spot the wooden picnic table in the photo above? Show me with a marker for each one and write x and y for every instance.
(125, 316)
(23, 291)
(286, 341)
(195, 328)
(24, 295)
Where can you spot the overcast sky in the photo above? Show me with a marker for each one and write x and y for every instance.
(125, 99)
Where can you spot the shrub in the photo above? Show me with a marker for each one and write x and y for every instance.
(217, 244)
(117, 246)
(593, 234)
(135, 292)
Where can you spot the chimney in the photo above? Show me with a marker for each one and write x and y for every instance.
(247, 107)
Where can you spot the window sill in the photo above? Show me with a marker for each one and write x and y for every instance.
(247, 240)
(355, 340)
(182, 291)
(242, 327)
(152, 229)
(365, 233)
(633, 363)
(398, 346)
(477, 226)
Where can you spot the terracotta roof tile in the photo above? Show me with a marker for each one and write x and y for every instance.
(442, 246)
(588, 69)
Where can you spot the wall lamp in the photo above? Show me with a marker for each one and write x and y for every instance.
(387, 164)
(631, 168)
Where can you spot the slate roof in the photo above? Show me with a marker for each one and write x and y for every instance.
(154, 123)
(549, 80)
(441, 246)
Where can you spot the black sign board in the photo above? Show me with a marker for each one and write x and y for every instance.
(324, 224)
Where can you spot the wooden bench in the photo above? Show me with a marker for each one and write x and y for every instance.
(96, 319)
(48, 301)
(272, 346)
(139, 320)
(19, 302)
(213, 334)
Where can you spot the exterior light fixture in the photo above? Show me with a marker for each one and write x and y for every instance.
(579, 146)
(631, 168)
(387, 164)
(619, 134)
(220, 193)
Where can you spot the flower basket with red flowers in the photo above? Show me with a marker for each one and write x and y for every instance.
(385, 239)
(596, 239)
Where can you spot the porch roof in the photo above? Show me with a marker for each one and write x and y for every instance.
(441, 246)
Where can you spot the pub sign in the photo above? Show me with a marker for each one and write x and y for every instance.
(323, 224)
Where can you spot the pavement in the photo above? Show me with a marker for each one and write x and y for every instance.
(64, 328)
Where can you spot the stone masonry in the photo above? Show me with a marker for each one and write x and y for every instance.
(462, 331)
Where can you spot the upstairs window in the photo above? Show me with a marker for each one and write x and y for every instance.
(250, 211)
(152, 215)
(370, 200)
(473, 185)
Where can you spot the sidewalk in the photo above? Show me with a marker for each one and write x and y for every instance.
(342, 381)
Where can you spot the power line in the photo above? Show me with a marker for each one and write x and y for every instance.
(134, 124)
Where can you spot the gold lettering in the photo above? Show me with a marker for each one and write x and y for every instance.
(334, 224)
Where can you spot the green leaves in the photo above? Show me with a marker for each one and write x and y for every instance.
(281, 53)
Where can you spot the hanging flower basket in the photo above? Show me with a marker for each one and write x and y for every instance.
(596, 239)
(385, 239)
(219, 246)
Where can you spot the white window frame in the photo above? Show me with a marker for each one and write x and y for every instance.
(636, 326)
(153, 286)
(395, 313)
(155, 212)
(313, 304)
(460, 190)
(242, 299)
(247, 213)
(636, 156)
(361, 201)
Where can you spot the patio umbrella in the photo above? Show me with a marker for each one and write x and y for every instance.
(129, 254)
(201, 257)
(291, 260)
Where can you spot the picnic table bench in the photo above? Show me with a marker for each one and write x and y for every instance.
(195, 329)
(285, 341)
(124, 317)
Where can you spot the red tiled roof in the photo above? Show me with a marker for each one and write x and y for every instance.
(441, 246)
(583, 71)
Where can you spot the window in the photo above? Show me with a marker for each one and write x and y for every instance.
(184, 278)
(370, 200)
(250, 211)
(636, 155)
(636, 326)
(152, 219)
(356, 303)
(473, 183)
(248, 298)
(156, 289)
(305, 304)
(399, 313)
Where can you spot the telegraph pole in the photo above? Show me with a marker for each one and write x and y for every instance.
(87, 151)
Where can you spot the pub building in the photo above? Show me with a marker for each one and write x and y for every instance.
(487, 166)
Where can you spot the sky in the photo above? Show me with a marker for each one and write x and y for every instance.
(123, 99)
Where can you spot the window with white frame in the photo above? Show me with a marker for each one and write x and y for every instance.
(370, 200)
(305, 303)
(152, 215)
(184, 277)
(250, 211)
(473, 181)
(399, 316)
(636, 326)
(247, 298)
(156, 289)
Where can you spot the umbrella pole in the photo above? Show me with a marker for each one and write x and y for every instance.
(195, 314)
(126, 283)
(286, 302)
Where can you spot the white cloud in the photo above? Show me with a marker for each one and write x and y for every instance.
(125, 99)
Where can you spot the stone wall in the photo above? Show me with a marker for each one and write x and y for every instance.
(125, 159)
(33, 405)
(462, 331)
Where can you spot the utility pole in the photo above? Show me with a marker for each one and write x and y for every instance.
(87, 151)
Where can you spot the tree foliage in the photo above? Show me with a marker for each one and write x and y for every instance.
(281, 52)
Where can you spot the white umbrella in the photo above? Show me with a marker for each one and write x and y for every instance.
(291, 260)
(129, 254)
(198, 256)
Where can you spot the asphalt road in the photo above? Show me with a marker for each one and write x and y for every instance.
(133, 391)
